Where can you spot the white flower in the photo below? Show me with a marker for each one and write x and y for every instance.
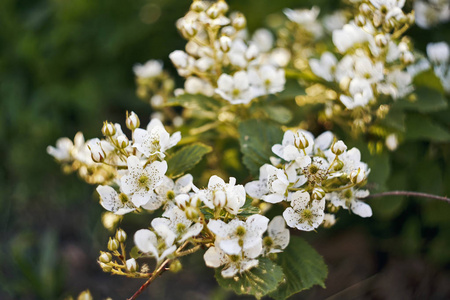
(263, 39)
(324, 67)
(151, 68)
(158, 246)
(431, 14)
(267, 80)
(131, 265)
(236, 55)
(293, 143)
(220, 195)
(62, 151)
(235, 89)
(438, 53)
(302, 16)
(175, 219)
(304, 214)
(238, 236)
(351, 160)
(391, 141)
(214, 257)
(271, 186)
(365, 69)
(361, 93)
(278, 236)
(336, 20)
(329, 220)
(349, 199)
(167, 190)
(349, 36)
(119, 204)
(195, 85)
(140, 181)
(179, 58)
(155, 140)
(280, 57)
(398, 84)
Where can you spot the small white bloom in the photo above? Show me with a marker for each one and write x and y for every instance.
(329, 220)
(195, 85)
(271, 186)
(179, 58)
(325, 67)
(349, 36)
(304, 214)
(280, 57)
(156, 246)
(220, 195)
(131, 265)
(140, 181)
(302, 16)
(398, 84)
(151, 68)
(214, 257)
(263, 39)
(175, 219)
(119, 204)
(278, 236)
(155, 140)
(266, 80)
(348, 199)
(361, 93)
(438, 53)
(235, 89)
(338, 148)
(62, 151)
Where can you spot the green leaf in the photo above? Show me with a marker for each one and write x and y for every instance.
(258, 281)
(197, 101)
(186, 158)
(303, 268)
(420, 127)
(257, 138)
(426, 100)
(291, 89)
(395, 119)
(248, 209)
(428, 79)
(278, 113)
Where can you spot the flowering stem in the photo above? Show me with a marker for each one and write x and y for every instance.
(155, 274)
(409, 194)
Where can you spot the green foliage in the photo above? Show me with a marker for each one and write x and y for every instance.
(258, 281)
(303, 268)
(248, 209)
(186, 158)
(278, 113)
(256, 139)
(197, 101)
(422, 127)
(426, 100)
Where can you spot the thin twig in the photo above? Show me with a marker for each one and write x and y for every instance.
(161, 268)
(409, 194)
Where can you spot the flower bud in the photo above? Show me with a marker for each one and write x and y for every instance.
(219, 199)
(97, 153)
(122, 141)
(132, 121)
(225, 43)
(381, 40)
(121, 236)
(317, 193)
(132, 265)
(175, 266)
(407, 58)
(222, 6)
(213, 11)
(198, 6)
(108, 129)
(338, 165)
(190, 29)
(365, 9)
(357, 176)
(329, 220)
(105, 257)
(228, 31)
(182, 201)
(301, 141)
(338, 147)
(105, 267)
(192, 213)
(113, 244)
(179, 58)
(252, 52)
(360, 20)
(239, 22)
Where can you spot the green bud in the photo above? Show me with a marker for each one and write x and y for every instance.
(175, 266)
(105, 257)
(121, 236)
(113, 244)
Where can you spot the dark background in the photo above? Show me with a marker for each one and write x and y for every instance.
(65, 66)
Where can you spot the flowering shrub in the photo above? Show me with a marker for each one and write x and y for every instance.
(357, 65)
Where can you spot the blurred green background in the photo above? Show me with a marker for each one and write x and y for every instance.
(65, 66)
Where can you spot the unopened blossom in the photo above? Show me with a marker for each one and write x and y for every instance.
(278, 236)
(151, 68)
(221, 195)
(304, 214)
(235, 89)
(158, 245)
(238, 236)
(131, 265)
(140, 182)
(118, 203)
(348, 199)
(155, 140)
(167, 190)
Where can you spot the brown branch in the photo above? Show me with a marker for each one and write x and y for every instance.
(409, 194)
(155, 274)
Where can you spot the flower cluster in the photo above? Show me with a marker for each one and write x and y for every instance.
(312, 172)
(220, 61)
(431, 13)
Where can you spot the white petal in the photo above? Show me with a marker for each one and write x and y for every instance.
(230, 247)
(145, 240)
(229, 271)
(361, 209)
(257, 224)
(248, 264)
(273, 198)
(214, 257)
(192, 231)
(218, 227)
(291, 217)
